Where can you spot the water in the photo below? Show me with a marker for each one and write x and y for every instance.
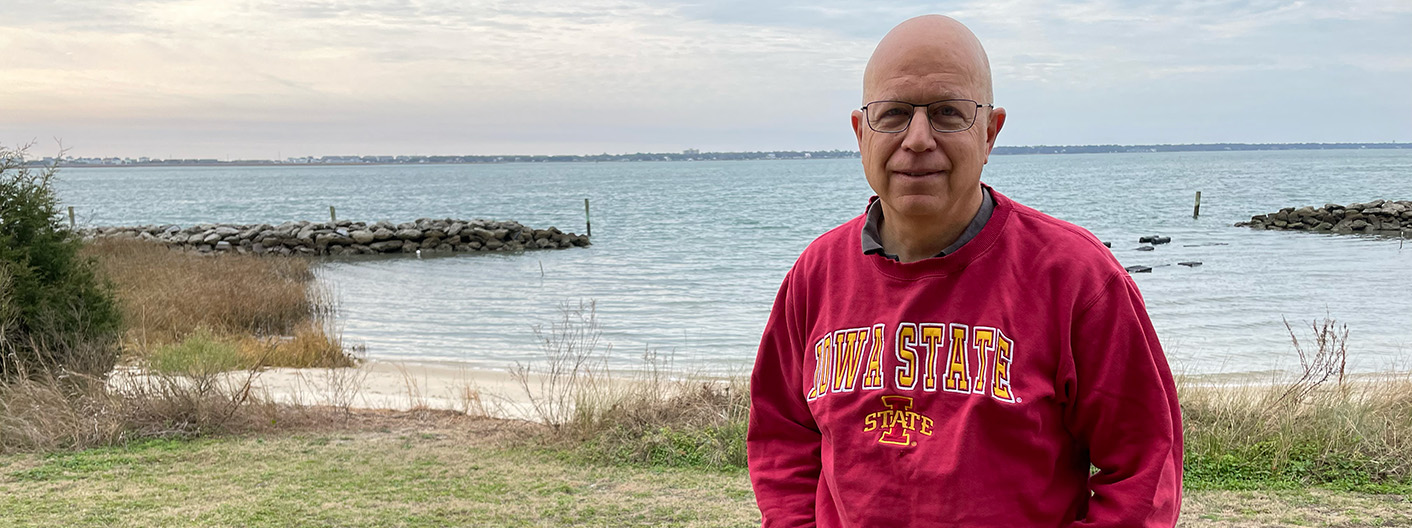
(687, 255)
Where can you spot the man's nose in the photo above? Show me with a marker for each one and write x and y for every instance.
(919, 137)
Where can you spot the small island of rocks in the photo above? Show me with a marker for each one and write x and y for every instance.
(1383, 217)
(348, 238)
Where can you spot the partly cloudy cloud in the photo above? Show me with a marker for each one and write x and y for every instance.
(250, 79)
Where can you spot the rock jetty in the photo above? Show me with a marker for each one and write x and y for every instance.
(1376, 217)
(349, 238)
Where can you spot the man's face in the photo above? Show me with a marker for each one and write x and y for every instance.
(920, 172)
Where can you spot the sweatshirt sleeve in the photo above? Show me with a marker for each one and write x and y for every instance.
(1123, 408)
(783, 441)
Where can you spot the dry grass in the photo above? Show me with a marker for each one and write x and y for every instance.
(270, 308)
(167, 295)
(647, 416)
(190, 320)
(1317, 426)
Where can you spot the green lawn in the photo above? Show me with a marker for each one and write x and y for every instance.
(466, 473)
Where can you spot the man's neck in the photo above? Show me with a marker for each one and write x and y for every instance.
(914, 238)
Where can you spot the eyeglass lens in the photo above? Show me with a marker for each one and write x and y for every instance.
(945, 116)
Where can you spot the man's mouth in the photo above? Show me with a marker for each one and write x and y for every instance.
(917, 173)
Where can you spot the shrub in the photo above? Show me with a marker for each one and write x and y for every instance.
(56, 313)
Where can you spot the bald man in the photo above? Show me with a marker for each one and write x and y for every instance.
(950, 357)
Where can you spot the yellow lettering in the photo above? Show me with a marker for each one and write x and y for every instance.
(872, 377)
(1000, 381)
(958, 378)
(983, 342)
(932, 335)
(905, 375)
(849, 344)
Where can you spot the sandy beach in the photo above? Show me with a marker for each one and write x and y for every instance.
(381, 384)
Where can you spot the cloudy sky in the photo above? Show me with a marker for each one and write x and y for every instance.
(268, 78)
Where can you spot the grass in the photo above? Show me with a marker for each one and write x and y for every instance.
(1317, 427)
(647, 417)
(426, 476)
(404, 470)
(189, 318)
(178, 303)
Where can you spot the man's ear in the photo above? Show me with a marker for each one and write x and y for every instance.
(858, 125)
(997, 120)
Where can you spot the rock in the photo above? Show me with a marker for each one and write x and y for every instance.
(1191, 264)
(1145, 248)
(225, 231)
(211, 238)
(362, 236)
(444, 248)
(386, 245)
(409, 233)
(1323, 226)
(1359, 225)
(329, 239)
(543, 243)
(494, 243)
(222, 246)
(482, 234)
(1161, 240)
(1139, 269)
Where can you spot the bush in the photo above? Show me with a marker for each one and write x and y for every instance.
(56, 313)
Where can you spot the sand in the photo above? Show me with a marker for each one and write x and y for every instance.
(381, 384)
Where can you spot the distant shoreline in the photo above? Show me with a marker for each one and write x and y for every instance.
(693, 155)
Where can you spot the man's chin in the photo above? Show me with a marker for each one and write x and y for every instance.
(919, 205)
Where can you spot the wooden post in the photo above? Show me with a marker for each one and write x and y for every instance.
(587, 223)
(72, 225)
(332, 216)
(1197, 211)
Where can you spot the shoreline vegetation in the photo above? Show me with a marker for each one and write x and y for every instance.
(686, 155)
(235, 402)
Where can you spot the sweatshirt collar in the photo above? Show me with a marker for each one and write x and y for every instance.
(956, 261)
(872, 238)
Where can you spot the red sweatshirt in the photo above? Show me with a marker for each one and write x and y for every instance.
(970, 390)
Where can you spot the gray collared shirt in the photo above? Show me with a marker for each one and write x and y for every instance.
(872, 240)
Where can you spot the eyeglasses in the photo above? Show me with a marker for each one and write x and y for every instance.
(949, 115)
